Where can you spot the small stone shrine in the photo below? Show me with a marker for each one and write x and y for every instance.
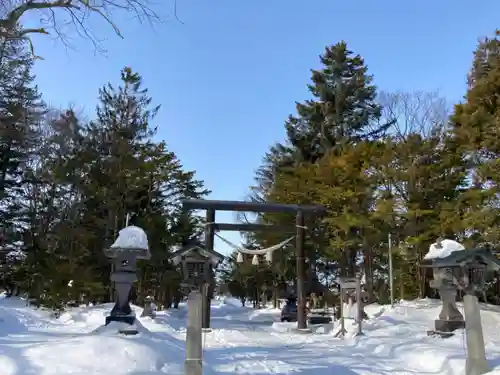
(197, 268)
(149, 308)
(197, 264)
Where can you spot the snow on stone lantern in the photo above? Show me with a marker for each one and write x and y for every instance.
(131, 245)
(456, 268)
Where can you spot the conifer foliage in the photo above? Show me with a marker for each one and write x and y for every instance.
(67, 186)
(399, 165)
(404, 166)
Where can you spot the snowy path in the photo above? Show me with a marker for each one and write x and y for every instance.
(243, 341)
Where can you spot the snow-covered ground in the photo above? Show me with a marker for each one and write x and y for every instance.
(243, 341)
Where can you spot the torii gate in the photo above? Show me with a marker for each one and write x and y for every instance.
(211, 206)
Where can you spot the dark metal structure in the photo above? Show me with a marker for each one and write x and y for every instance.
(197, 267)
(211, 206)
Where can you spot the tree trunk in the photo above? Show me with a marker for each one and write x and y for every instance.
(368, 266)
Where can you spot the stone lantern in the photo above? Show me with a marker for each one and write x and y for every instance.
(197, 268)
(456, 268)
(131, 245)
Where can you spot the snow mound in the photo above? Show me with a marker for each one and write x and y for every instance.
(231, 301)
(131, 238)
(119, 327)
(99, 356)
(284, 327)
(443, 248)
(91, 316)
(264, 315)
(88, 316)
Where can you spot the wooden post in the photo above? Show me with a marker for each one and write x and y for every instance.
(475, 363)
(342, 331)
(359, 307)
(342, 320)
(205, 303)
(301, 293)
(193, 364)
(391, 277)
(209, 246)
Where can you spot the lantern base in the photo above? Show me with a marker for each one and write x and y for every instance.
(445, 328)
(128, 319)
(318, 319)
(303, 331)
(128, 326)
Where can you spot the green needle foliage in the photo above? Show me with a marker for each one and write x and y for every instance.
(399, 165)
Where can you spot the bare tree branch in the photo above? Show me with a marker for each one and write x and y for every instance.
(56, 14)
(414, 112)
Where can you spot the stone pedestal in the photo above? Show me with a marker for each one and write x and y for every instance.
(318, 319)
(450, 318)
(448, 326)
(126, 324)
(122, 311)
(127, 319)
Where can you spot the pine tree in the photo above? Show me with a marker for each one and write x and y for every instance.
(21, 110)
(86, 179)
(342, 113)
(476, 130)
(343, 108)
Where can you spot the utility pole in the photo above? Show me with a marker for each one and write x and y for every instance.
(391, 278)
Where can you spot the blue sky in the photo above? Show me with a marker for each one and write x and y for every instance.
(228, 77)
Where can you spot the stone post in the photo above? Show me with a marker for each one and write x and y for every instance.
(193, 364)
(476, 363)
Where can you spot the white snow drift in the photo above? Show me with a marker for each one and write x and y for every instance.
(243, 341)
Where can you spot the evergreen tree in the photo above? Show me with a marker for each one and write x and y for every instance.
(21, 111)
(476, 131)
(343, 108)
(84, 182)
(336, 153)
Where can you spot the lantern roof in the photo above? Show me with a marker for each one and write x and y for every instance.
(195, 247)
(131, 239)
(465, 258)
